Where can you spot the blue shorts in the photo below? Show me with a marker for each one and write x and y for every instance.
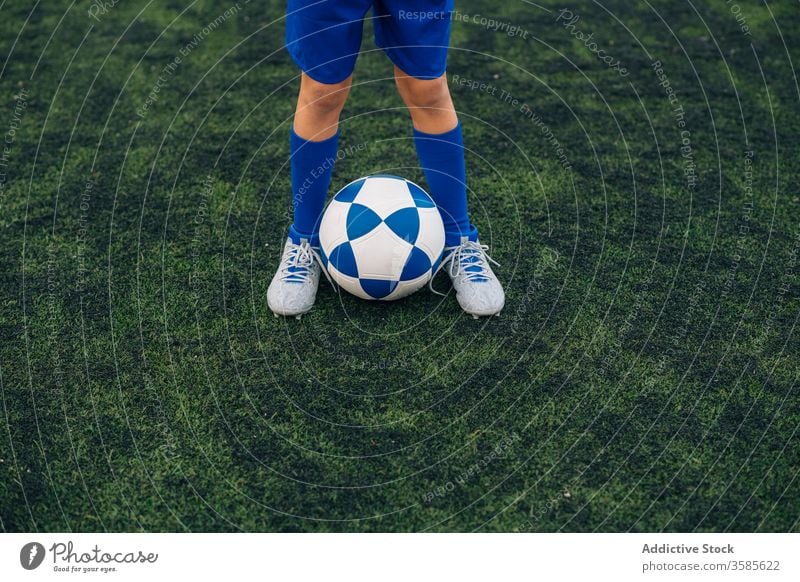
(324, 36)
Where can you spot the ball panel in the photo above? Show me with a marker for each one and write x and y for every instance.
(333, 229)
(391, 176)
(343, 260)
(384, 195)
(380, 254)
(349, 192)
(405, 224)
(431, 232)
(420, 197)
(418, 264)
(376, 288)
(360, 221)
(406, 288)
(349, 284)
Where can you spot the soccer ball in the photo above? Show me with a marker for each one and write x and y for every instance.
(381, 237)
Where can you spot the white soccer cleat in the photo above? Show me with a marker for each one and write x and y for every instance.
(477, 289)
(294, 287)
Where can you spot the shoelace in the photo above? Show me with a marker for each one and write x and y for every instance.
(469, 261)
(297, 262)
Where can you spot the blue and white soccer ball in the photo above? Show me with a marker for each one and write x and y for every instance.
(381, 237)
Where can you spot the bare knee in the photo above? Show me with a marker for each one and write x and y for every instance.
(432, 94)
(321, 98)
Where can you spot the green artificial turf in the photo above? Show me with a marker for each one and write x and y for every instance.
(643, 375)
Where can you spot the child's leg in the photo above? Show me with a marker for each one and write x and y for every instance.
(314, 140)
(440, 147)
(319, 105)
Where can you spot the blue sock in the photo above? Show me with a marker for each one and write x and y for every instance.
(442, 159)
(312, 166)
